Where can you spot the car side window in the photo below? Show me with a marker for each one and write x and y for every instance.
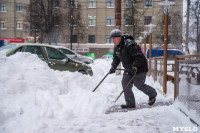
(66, 51)
(34, 50)
(54, 54)
(18, 50)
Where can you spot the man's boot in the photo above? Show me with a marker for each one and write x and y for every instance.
(152, 100)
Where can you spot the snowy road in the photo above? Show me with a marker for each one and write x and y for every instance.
(36, 99)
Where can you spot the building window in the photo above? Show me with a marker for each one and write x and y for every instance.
(92, 4)
(129, 3)
(56, 20)
(147, 20)
(56, 3)
(128, 20)
(108, 39)
(74, 3)
(92, 20)
(74, 38)
(110, 3)
(3, 24)
(169, 21)
(110, 20)
(3, 7)
(168, 39)
(19, 25)
(18, 7)
(91, 39)
(148, 3)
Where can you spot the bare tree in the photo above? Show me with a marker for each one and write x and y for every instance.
(175, 24)
(45, 19)
(74, 20)
(133, 17)
(195, 14)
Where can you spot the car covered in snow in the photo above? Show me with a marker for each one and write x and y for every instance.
(74, 55)
(55, 59)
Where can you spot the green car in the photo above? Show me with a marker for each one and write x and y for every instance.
(53, 57)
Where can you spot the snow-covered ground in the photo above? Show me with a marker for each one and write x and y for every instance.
(37, 99)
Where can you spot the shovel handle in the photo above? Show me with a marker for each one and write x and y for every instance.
(105, 77)
(100, 82)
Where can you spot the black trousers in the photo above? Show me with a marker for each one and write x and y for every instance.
(139, 83)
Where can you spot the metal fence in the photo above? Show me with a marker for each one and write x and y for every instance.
(184, 72)
(188, 88)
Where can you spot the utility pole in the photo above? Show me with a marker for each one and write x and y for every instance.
(187, 26)
(71, 23)
(118, 14)
(15, 21)
(118, 25)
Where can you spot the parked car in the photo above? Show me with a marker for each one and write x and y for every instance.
(53, 57)
(107, 57)
(74, 55)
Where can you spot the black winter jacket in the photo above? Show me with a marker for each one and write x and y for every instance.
(130, 54)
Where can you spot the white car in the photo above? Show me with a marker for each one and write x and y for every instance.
(71, 54)
(107, 57)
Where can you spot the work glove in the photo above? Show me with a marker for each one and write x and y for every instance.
(132, 70)
(112, 70)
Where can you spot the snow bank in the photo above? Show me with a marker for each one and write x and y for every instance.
(31, 92)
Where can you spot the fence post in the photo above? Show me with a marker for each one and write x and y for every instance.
(175, 75)
(155, 69)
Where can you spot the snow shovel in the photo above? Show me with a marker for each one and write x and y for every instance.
(105, 77)
(125, 87)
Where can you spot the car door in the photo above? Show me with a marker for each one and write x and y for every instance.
(57, 60)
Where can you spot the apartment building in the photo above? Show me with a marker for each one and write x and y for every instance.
(98, 17)
(12, 19)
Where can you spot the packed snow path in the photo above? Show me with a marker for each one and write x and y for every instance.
(36, 99)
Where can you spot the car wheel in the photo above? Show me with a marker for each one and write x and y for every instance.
(82, 71)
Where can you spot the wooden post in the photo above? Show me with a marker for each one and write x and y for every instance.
(165, 56)
(150, 53)
(144, 46)
(175, 69)
(155, 69)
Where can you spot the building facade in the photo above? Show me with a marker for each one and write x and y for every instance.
(98, 18)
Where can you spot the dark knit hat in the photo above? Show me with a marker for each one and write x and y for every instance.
(115, 33)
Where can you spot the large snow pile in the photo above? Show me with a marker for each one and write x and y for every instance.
(30, 89)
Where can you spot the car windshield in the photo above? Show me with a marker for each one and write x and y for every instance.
(66, 51)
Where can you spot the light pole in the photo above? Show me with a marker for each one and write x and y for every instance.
(145, 36)
(150, 43)
(140, 38)
(166, 7)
